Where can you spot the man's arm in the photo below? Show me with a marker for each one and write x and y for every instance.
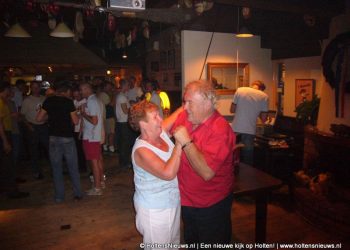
(194, 155)
(74, 117)
(124, 108)
(263, 116)
(90, 118)
(41, 115)
(7, 146)
(233, 108)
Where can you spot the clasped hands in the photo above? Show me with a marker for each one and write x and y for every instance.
(181, 135)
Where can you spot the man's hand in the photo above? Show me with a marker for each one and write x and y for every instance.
(181, 135)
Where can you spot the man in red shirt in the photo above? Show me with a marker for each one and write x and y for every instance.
(206, 170)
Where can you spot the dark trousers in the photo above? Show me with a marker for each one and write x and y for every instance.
(208, 225)
(7, 177)
(38, 136)
(80, 152)
(125, 141)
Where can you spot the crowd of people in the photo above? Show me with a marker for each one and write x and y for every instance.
(183, 164)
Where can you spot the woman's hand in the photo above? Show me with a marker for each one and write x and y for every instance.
(181, 135)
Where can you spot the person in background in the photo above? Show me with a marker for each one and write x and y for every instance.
(124, 132)
(79, 101)
(15, 134)
(107, 96)
(93, 136)
(206, 169)
(152, 87)
(7, 178)
(248, 104)
(19, 90)
(37, 132)
(61, 114)
(156, 161)
(135, 92)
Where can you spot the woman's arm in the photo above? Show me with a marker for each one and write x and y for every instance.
(151, 162)
(170, 120)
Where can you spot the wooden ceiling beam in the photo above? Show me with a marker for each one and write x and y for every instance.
(313, 7)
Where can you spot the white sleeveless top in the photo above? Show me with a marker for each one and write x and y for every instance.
(150, 191)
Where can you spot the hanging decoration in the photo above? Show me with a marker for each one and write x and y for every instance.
(119, 40)
(111, 23)
(51, 22)
(129, 39)
(30, 5)
(145, 31)
(134, 33)
(246, 13)
(79, 26)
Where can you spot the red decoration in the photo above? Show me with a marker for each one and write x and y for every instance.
(111, 23)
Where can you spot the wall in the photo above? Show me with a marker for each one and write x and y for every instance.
(223, 49)
(163, 62)
(298, 68)
(326, 117)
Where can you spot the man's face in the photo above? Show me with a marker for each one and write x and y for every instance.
(35, 89)
(85, 91)
(77, 95)
(196, 107)
(6, 93)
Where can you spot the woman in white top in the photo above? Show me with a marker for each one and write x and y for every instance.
(155, 162)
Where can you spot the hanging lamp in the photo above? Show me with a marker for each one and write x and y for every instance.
(242, 32)
(17, 31)
(62, 31)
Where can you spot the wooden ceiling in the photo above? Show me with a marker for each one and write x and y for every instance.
(291, 28)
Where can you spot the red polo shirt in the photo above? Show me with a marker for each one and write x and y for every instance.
(216, 140)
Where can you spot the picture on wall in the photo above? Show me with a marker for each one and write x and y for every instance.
(304, 90)
(163, 60)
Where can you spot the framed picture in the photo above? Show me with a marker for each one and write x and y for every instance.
(227, 77)
(155, 66)
(163, 60)
(304, 90)
(171, 59)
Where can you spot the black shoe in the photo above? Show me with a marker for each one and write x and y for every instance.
(78, 198)
(38, 176)
(20, 180)
(17, 195)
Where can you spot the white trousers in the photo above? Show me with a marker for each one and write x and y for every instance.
(160, 228)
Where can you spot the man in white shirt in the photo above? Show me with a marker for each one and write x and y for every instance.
(123, 131)
(79, 101)
(134, 93)
(248, 104)
(93, 136)
(37, 132)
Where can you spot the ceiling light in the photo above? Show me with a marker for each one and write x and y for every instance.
(17, 30)
(244, 33)
(62, 31)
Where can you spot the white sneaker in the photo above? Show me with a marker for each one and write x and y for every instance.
(111, 149)
(94, 191)
(105, 147)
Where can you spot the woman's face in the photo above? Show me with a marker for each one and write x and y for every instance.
(153, 122)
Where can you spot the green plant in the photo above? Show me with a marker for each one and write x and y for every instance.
(307, 111)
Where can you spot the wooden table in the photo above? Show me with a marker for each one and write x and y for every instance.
(253, 182)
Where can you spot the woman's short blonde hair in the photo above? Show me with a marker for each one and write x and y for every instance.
(138, 112)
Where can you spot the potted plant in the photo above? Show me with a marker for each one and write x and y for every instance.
(307, 111)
